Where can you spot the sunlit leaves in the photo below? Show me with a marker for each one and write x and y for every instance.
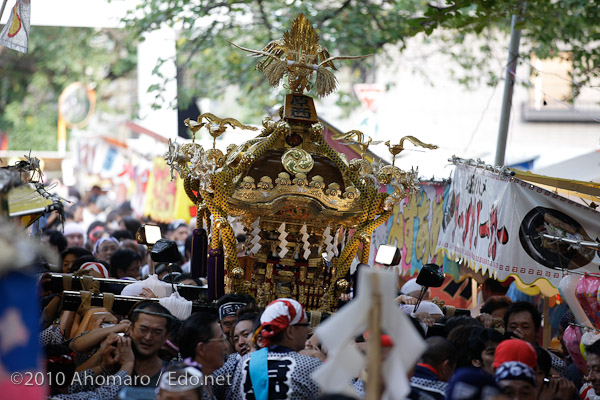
(364, 27)
(31, 83)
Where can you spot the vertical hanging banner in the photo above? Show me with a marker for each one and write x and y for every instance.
(166, 199)
(15, 34)
(496, 223)
(414, 228)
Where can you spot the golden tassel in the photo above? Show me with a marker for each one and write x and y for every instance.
(326, 82)
(274, 72)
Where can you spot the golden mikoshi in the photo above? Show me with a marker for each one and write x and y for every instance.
(295, 196)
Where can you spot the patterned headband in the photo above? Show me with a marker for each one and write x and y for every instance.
(229, 309)
(515, 371)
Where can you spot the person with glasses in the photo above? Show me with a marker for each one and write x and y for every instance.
(278, 371)
(150, 325)
(130, 360)
(203, 344)
(242, 334)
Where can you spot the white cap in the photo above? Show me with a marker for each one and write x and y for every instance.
(425, 306)
(410, 286)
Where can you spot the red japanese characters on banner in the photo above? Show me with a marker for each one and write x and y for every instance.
(496, 223)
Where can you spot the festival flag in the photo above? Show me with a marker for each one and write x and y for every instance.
(15, 34)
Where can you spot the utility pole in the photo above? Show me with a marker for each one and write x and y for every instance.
(509, 83)
(2, 9)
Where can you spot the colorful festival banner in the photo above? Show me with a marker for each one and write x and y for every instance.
(414, 228)
(495, 223)
(165, 198)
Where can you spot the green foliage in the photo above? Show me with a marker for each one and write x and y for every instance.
(209, 64)
(548, 27)
(351, 27)
(31, 83)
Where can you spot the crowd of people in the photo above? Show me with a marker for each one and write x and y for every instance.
(240, 351)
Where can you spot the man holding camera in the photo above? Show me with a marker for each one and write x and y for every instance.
(130, 360)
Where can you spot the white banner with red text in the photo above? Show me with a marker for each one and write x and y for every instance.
(496, 223)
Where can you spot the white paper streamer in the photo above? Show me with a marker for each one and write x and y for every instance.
(255, 237)
(344, 237)
(328, 242)
(282, 242)
(305, 244)
(335, 242)
(344, 360)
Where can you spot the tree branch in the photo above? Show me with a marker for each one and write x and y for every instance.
(198, 43)
(265, 19)
(328, 16)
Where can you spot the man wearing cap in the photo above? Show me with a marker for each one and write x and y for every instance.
(515, 350)
(278, 371)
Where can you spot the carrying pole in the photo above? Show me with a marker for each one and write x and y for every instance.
(547, 331)
(374, 344)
